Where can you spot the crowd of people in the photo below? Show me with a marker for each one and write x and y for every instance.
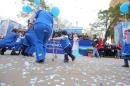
(103, 49)
(71, 35)
(23, 42)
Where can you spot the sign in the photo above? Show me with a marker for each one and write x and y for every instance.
(55, 46)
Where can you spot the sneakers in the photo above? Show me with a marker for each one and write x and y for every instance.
(13, 53)
(125, 65)
(40, 61)
(2, 53)
(66, 61)
(73, 58)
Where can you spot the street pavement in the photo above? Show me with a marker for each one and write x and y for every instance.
(84, 71)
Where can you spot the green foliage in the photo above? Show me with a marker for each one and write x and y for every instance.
(103, 16)
(109, 18)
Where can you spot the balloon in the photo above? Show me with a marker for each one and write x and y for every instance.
(27, 8)
(37, 2)
(55, 11)
(124, 8)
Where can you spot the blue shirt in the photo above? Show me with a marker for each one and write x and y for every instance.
(43, 16)
(65, 42)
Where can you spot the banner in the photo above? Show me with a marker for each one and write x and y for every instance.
(55, 46)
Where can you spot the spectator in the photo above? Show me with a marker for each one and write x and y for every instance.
(119, 50)
(95, 44)
(75, 47)
(100, 47)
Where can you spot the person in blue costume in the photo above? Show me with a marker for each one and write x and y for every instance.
(8, 40)
(125, 55)
(43, 26)
(29, 41)
(126, 49)
(17, 45)
(66, 45)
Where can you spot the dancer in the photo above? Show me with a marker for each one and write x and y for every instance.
(66, 45)
(43, 29)
(29, 41)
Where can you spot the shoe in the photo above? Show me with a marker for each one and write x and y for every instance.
(40, 61)
(2, 53)
(30, 55)
(66, 61)
(13, 53)
(73, 59)
(24, 54)
(125, 65)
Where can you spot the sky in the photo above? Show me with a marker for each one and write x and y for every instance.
(82, 11)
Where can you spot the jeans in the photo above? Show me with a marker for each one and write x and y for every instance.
(95, 52)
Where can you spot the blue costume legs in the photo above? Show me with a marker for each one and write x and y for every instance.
(29, 50)
(43, 33)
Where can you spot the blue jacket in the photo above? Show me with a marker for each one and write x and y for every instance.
(43, 16)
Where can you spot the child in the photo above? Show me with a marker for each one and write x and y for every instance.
(66, 46)
(126, 49)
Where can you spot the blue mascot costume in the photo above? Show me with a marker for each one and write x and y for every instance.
(28, 47)
(43, 29)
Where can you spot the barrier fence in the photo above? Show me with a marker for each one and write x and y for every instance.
(55, 47)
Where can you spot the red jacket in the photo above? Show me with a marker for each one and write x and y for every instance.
(100, 44)
(119, 45)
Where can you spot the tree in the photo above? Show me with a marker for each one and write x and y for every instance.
(104, 18)
(107, 19)
(115, 16)
(102, 23)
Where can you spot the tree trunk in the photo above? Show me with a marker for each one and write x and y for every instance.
(109, 28)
